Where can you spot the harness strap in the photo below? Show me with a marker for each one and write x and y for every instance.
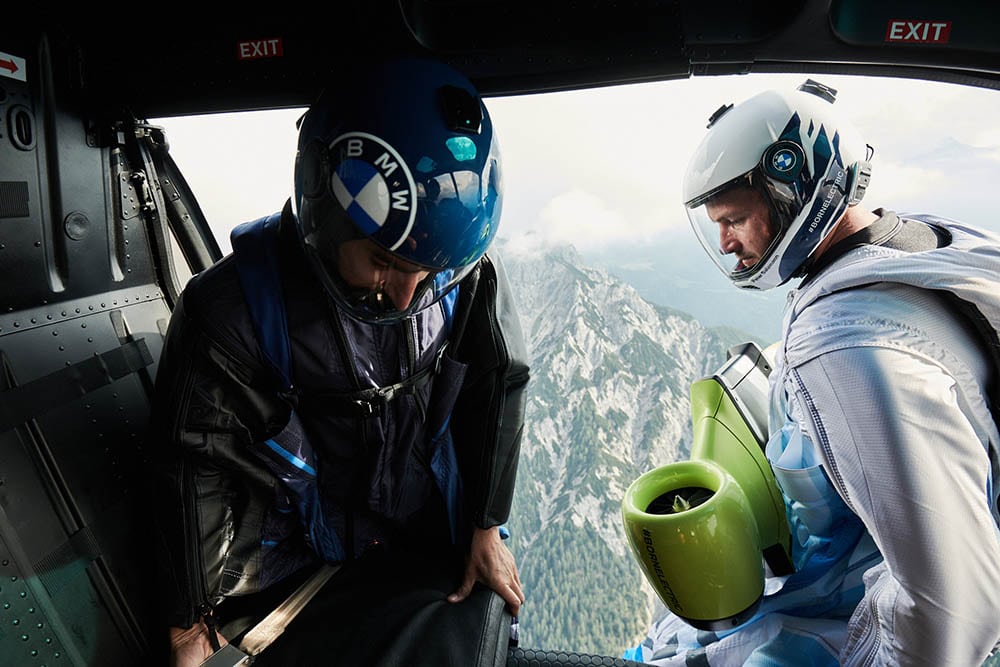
(264, 633)
(258, 267)
(273, 625)
(21, 403)
(371, 402)
(257, 260)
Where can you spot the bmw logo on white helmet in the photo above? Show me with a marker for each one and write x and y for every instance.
(783, 160)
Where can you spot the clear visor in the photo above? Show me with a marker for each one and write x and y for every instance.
(735, 227)
(374, 285)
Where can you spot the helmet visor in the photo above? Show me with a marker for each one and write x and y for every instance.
(372, 283)
(736, 227)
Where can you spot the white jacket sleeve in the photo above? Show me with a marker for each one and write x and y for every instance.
(892, 430)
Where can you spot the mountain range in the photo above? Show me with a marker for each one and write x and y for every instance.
(608, 400)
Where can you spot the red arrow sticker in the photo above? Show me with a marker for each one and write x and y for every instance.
(12, 67)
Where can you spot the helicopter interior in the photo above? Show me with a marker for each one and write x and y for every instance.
(98, 227)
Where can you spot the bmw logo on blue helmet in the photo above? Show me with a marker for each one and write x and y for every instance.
(400, 152)
(374, 186)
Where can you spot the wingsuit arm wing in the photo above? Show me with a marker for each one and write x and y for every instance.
(488, 421)
(207, 488)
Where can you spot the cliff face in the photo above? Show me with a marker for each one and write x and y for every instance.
(608, 400)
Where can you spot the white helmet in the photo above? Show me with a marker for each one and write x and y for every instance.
(808, 164)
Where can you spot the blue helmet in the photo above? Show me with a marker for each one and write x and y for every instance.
(397, 160)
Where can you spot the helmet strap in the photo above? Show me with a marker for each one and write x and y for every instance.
(758, 179)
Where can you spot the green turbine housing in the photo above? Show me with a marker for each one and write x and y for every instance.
(703, 529)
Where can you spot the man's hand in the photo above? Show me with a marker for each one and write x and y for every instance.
(491, 562)
(190, 647)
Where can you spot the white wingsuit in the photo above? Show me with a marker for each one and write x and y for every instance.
(884, 445)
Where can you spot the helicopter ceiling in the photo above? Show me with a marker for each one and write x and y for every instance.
(165, 66)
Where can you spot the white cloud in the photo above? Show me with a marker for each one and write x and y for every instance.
(238, 165)
(582, 218)
(623, 150)
(601, 165)
(899, 182)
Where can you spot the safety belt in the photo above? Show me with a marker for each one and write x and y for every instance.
(270, 628)
(21, 403)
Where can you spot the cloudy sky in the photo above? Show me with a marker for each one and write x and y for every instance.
(605, 165)
(602, 168)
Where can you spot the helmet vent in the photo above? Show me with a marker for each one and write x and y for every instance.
(819, 90)
(462, 111)
(719, 113)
